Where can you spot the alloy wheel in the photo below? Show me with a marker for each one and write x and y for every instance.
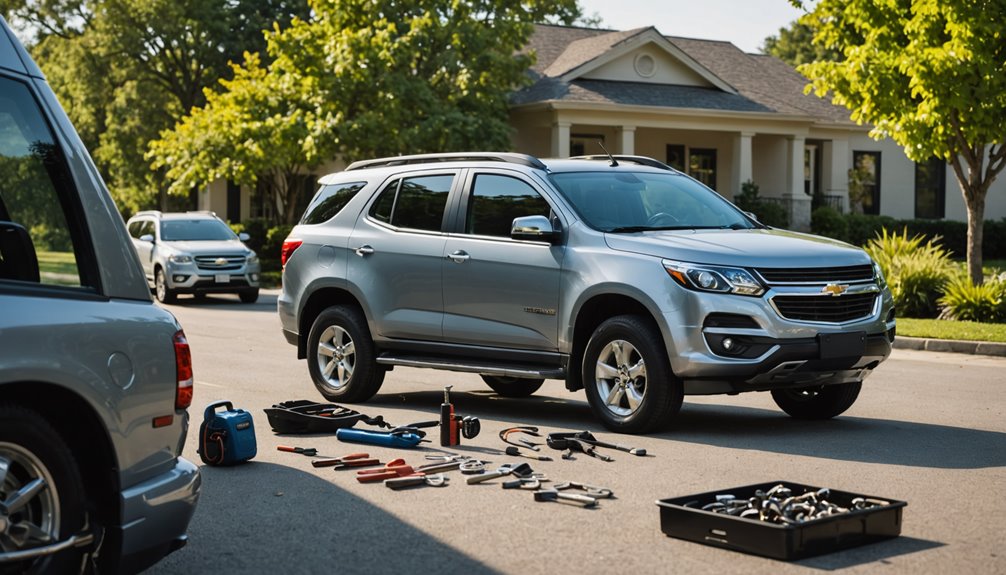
(620, 377)
(336, 356)
(29, 506)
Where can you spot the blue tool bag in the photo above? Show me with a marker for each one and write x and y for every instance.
(226, 437)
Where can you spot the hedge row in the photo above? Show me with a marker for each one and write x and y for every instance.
(857, 229)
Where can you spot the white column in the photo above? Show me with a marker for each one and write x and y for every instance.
(743, 166)
(835, 170)
(627, 140)
(560, 139)
(794, 168)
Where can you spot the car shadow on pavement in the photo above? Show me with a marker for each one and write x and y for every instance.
(268, 518)
(226, 302)
(845, 438)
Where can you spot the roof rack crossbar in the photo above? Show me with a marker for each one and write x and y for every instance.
(641, 160)
(508, 157)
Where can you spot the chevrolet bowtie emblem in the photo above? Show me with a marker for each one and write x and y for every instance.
(834, 289)
(223, 262)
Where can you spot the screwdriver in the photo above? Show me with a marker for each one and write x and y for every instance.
(517, 453)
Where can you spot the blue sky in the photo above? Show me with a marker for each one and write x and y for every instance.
(745, 23)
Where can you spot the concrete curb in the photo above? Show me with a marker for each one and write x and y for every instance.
(951, 346)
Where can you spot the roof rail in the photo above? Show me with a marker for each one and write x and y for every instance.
(508, 157)
(148, 213)
(641, 160)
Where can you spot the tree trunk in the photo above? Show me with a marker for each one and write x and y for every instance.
(976, 230)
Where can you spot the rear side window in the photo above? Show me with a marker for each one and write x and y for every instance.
(329, 201)
(36, 193)
(417, 203)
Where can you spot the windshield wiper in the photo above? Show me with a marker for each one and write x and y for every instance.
(631, 229)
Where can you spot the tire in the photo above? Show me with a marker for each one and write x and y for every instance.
(822, 402)
(33, 450)
(341, 356)
(628, 379)
(512, 386)
(248, 295)
(161, 290)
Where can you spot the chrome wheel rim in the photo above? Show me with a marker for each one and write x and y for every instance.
(29, 504)
(620, 378)
(336, 357)
(159, 284)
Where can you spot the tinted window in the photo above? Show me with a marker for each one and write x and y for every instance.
(329, 201)
(195, 230)
(419, 203)
(35, 191)
(497, 200)
(134, 228)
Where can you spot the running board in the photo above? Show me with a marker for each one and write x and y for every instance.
(484, 368)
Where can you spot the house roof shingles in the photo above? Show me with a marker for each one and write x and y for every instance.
(764, 83)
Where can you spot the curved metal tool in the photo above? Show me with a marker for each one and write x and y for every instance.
(521, 470)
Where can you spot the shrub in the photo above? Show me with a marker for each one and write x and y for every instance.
(768, 213)
(865, 227)
(273, 245)
(916, 272)
(964, 301)
(51, 238)
(829, 222)
(258, 229)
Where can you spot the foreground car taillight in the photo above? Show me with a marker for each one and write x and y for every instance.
(289, 246)
(183, 368)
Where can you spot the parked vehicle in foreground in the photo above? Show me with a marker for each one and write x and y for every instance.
(94, 378)
(620, 275)
(193, 253)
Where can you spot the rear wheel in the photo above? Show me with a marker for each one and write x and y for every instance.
(161, 289)
(821, 402)
(40, 490)
(342, 357)
(512, 386)
(628, 379)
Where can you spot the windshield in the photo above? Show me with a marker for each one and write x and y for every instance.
(640, 201)
(195, 230)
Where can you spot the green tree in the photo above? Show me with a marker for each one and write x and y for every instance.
(928, 74)
(794, 46)
(364, 78)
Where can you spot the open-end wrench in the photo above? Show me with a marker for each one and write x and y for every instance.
(553, 495)
(506, 469)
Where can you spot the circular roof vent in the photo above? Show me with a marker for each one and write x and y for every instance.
(645, 65)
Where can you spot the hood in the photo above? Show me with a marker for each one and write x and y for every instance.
(211, 247)
(742, 248)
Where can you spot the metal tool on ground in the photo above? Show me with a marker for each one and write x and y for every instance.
(308, 451)
(521, 442)
(533, 482)
(417, 479)
(520, 470)
(452, 426)
(589, 438)
(588, 490)
(395, 438)
(513, 451)
(570, 442)
(473, 466)
(553, 495)
(351, 460)
(391, 469)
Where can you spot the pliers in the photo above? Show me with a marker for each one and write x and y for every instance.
(437, 480)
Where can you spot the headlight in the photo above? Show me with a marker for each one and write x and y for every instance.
(879, 274)
(180, 259)
(714, 278)
(252, 259)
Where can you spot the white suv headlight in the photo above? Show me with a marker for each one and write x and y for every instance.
(180, 258)
(714, 278)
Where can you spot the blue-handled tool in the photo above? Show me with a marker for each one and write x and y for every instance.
(382, 438)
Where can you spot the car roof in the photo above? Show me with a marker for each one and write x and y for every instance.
(177, 215)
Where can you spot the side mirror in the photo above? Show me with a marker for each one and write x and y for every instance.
(243, 236)
(752, 216)
(534, 228)
(147, 238)
(17, 254)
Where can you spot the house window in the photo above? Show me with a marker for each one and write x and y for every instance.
(584, 144)
(702, 166)
(864, 182)
(676, 156)
(930, 189)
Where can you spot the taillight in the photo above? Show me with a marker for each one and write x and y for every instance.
(183, 369)
(289, 246)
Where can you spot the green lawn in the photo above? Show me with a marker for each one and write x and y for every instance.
(57, 263)
(943, 329)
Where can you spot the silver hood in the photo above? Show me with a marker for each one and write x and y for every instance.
(210, 247)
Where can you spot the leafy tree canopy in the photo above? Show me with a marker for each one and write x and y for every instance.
(794, 45)
(931, 75)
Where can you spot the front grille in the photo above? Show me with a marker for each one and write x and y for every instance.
(219, 263)
(816, 275)
(825, 308)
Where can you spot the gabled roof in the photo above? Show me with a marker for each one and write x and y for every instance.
(738, 81)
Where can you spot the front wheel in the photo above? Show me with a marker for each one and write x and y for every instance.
(248, 295)
(628, 379)
(161, 289)
(512, 386)
(342, 358)
(821, 402)
(40, 490)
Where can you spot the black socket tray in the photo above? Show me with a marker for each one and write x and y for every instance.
(780, 541)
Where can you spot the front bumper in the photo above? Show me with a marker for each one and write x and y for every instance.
(187, 278)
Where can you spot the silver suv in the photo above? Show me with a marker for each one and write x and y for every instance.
(619, 275)
(94, 378)
(194, 253)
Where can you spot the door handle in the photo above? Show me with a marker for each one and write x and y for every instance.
(364, 250)
(459, 256)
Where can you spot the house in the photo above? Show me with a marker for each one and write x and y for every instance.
(709, 109)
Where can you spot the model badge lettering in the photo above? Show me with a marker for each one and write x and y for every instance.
(540, 310)
(835, 289)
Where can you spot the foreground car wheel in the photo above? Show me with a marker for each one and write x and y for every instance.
(249, 295)
(821, 402)
(161, 290)
(341, 356)
(512, 386)
(41, 492)
(627, 377)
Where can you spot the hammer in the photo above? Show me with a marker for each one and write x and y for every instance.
(553, 495)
